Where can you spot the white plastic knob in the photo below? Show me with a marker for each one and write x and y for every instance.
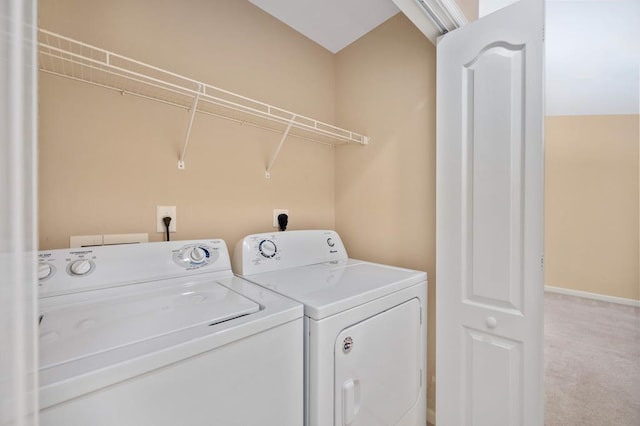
(80, 267)
(491, 322)
(44, 270)
(197, 255)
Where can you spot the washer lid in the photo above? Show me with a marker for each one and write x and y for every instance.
(101, 320)
(328, 288)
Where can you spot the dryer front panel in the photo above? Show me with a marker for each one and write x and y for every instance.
(378, 368)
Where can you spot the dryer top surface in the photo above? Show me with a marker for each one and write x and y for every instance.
(328, 288)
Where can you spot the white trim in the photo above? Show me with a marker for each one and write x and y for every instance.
(431, 416)
(596, 296)
(446, 12)
(18, 220)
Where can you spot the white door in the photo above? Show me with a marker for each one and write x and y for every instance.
(489, 296)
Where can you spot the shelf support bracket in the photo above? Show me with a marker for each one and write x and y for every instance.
(194, 107)
(267, 174)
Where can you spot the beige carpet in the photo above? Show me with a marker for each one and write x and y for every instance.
(592, 362)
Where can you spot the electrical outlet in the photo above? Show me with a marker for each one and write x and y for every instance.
(276, 213)
(164, 211)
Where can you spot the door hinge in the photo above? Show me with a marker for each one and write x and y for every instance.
(542, 262)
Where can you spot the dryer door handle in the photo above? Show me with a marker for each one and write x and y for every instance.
(350, 401)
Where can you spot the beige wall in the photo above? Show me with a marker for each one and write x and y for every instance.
(469, 8)
(385, 193)
(591, 196)
(106, 160)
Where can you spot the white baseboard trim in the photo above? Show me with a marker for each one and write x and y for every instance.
(431, 416)
(596, 296)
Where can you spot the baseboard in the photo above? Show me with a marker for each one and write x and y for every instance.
(431, 416)
(596, 296)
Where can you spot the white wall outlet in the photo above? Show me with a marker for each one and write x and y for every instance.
(163, 211)
(276, 213)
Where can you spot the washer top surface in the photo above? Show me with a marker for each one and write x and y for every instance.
(328, 288)
(74, 327)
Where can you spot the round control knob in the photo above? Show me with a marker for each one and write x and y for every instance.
(80, 267)
(267, 248)
(44, 270)
(197, 255)
(330, 242)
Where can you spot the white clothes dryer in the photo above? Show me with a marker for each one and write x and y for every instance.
(164, 334)
(364, 327)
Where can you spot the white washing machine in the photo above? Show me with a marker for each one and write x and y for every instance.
(164, 334)
(364, 327)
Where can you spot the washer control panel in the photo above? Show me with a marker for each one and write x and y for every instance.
(74, 270)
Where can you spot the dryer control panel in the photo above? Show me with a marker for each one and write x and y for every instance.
(281, 250)
(75, 270)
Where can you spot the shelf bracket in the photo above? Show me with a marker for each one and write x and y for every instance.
(267, 174)
(194, 108)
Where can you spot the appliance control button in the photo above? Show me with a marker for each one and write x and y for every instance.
(267, 248)
(44, 271)
(197, 255)
(330, 242)
(80, 267)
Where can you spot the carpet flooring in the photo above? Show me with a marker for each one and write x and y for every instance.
(592, 362)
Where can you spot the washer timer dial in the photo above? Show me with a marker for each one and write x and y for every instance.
(267, 248)
(198, 255)
(194, 256)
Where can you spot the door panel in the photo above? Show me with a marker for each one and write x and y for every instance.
(486, 355)
(492, 184)
(489, 363)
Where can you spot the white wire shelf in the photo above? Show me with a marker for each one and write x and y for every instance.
(66, 57)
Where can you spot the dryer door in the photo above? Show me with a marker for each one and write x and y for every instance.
(378, 368)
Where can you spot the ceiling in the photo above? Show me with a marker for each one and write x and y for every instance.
(333, 24)
(592, 46)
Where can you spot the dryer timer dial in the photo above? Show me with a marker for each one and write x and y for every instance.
(267, 248)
